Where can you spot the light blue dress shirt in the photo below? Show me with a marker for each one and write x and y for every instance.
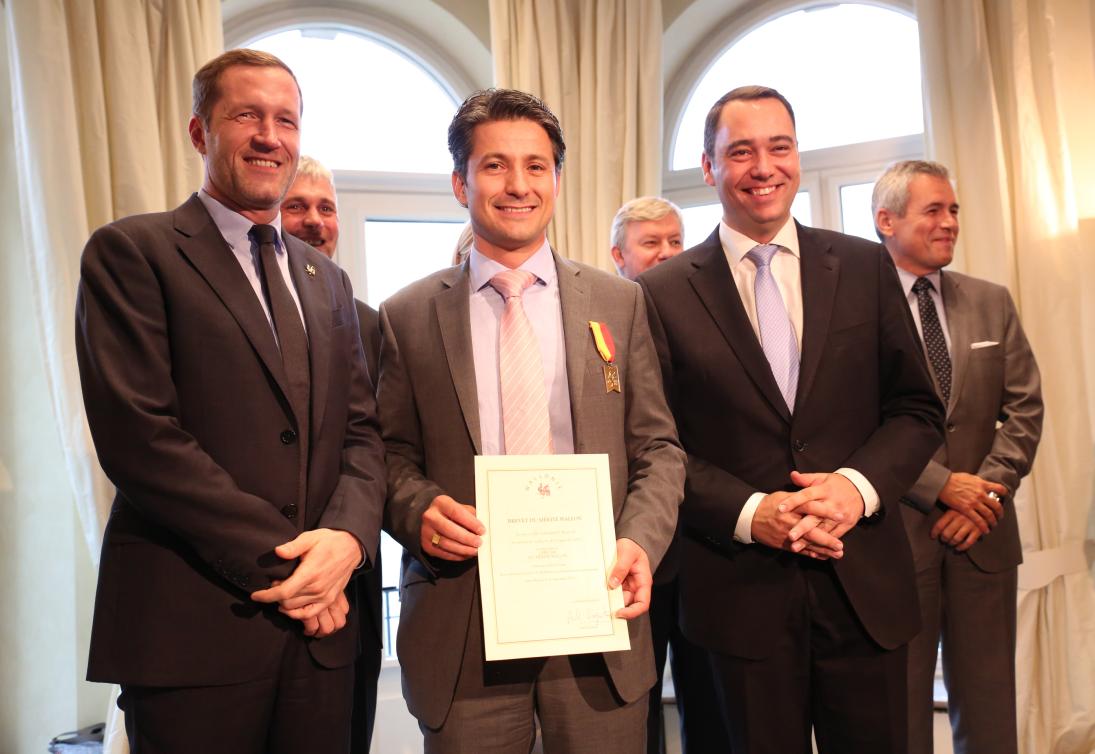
(545, 314)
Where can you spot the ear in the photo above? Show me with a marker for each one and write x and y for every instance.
(460, 189)
(197, 134)
(708, 176)
(618, 257)
(558, 182)
(883, 221)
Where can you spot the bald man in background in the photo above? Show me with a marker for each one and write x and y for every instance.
(310, 212)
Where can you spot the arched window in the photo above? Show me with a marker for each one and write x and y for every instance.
(852, 74)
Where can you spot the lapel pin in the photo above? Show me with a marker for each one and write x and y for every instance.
(606, 347)
(310, 269)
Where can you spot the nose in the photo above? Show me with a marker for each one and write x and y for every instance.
(267, 135)
(665, 250)
(516, 183)
(312, 218)
(762, 165)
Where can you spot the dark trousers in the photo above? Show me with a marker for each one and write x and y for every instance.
(825, 672)
(369, 595)
(299, 707)
(701, 726)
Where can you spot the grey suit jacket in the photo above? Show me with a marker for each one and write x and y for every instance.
(996, 382)
(430, 424)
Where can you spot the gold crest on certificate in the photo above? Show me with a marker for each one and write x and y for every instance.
(546, 556)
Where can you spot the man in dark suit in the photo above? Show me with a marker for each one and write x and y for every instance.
(804, 406)
(229, 402)
(960, 514)
(309, 211)
(444, 398)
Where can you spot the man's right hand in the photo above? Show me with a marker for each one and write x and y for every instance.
(771, 527)
(969, 495)
(450, 530)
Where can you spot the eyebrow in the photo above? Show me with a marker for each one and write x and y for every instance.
(517, 158)
(778, 139)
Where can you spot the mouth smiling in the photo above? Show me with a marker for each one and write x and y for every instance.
(761, 190)
(514, 210)
(260, 162)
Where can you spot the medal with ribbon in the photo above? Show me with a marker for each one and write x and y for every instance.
(606, 347)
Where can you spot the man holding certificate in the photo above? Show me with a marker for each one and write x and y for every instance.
(521, 353)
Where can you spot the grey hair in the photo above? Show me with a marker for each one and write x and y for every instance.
(639, 210)
(310, 167)
(891, 191)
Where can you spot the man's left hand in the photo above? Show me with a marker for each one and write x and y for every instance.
(632, 570)
(957, 530)
(327, 558)
(827, 496)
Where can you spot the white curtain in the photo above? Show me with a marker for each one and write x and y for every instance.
(1009, 88)
(101, 100)
(597, 65)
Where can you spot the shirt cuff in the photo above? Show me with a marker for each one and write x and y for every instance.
(871, 503)
(743, 532)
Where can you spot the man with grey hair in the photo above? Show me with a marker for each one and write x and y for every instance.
(309, 211)
(645, 232)
(960, 514)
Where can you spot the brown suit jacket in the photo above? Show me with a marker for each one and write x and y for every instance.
(864, 401)
(185, 395)
(430, 423)
(996, 382)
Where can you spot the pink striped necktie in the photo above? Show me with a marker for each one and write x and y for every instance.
(526, 424)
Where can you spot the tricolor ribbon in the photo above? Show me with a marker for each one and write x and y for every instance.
(603, 338)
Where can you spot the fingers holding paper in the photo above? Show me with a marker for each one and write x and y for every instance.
(450, 530)
(632, 572)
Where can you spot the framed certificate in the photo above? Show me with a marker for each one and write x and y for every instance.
(546, 555)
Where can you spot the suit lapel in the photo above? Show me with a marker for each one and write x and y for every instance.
(820, 270)
(714, 284)
(317, 319)
(574, 302)
(454, 321)
(954, 302)
(201, 243)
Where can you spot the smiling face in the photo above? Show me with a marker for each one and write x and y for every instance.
(309, 212)
(252, 140)
(922, 240)
(647, 243)
(754, 167)
(510, 189)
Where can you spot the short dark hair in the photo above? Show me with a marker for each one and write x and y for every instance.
(491, 105)
(711, 125)
(205, 87)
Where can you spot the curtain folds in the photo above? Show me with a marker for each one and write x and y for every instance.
(101, 99)
(1008, 85)
(598, 67)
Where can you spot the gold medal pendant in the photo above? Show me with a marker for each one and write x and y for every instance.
(612, 378)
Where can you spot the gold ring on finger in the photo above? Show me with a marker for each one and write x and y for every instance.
(435, 540)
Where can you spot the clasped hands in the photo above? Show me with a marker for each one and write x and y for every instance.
(451, 531)
(971, 510)
(315, 593)
(812, 520)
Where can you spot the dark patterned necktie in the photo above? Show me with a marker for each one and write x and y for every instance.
(934, 341)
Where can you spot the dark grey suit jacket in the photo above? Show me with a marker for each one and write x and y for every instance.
(430, 422)
(994, 380)
(864, 401)
(185, 395)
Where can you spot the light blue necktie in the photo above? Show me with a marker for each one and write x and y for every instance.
(777, 338)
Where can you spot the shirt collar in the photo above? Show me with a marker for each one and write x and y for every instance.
(234, 226)
(907, 280)
(482, 268)
(736, 245)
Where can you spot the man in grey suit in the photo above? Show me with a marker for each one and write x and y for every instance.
(309, 211)
(960, 515)
(444, 401)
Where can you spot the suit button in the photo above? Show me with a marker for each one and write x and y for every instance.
(290, 511)
(799, 445)
(951, 427)
(288, 436)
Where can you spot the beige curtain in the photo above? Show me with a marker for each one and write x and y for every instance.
(1009, 87)
(101, 99)
(597, 65)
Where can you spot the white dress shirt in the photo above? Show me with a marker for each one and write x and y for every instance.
(545, 314)
(234, 227)
(787, 271)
